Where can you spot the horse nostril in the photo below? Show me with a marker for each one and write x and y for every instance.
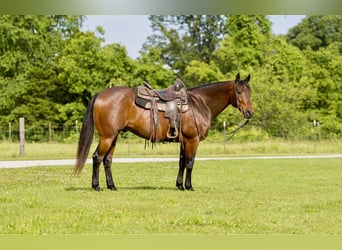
(248, 114)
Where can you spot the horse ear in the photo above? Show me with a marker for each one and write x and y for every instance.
(237, 78)
(248, 78)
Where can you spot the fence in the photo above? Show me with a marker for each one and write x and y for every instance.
(52, 132)
(49, 132)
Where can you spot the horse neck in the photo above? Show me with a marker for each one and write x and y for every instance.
(217, 96)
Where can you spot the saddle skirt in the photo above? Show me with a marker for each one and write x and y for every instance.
(173, 101)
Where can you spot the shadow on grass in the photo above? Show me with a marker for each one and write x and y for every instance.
(76, 189)
(147, 188)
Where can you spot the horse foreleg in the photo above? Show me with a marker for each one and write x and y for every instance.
(189, 167)
(190, 153)
(179, 181)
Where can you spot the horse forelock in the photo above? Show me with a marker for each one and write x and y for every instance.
(244, 83)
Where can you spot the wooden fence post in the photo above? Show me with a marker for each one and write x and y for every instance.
(9, 132)
(50, 132)
(22, 136)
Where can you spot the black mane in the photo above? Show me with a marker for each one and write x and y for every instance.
(209, 84)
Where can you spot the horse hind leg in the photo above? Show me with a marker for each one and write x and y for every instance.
(107, 162)
(96, 169)
(102, 150)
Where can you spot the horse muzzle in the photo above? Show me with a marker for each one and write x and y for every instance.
(247, 113)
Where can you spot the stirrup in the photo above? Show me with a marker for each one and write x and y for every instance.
(168, 134)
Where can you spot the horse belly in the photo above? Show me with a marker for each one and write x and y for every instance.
(142, 124)
(138, 123)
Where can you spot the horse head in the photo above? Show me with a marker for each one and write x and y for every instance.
(243, 94)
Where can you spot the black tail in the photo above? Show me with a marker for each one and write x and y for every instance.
(86, 137)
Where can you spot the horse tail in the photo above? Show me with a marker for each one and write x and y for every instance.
(86, 137)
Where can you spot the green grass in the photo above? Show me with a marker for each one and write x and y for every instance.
(297, 196)
(136, 148)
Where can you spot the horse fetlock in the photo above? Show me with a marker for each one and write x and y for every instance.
(113, 188)
(97, 188)
(188, 186)
(180, 187)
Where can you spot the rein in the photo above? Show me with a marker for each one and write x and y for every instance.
(232, 133)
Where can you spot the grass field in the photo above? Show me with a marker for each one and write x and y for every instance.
(292, 196)
(136, 148)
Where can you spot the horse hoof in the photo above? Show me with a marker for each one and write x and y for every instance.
(113, 188)
(97, 188)
(180, 187)
(190, 188)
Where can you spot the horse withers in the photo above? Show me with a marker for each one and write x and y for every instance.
(114, 110)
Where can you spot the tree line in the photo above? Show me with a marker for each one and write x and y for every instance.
(50, 67)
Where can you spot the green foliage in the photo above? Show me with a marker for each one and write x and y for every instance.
(198, 72)
(150, 68)
(49, 68)
(316, 32)
(186, 37)
(245, 44)
(29, 53)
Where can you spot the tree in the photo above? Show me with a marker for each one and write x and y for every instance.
(150, 68)
(245, 44)
(326, 82)
(49, 68)
(197, 73)
(85, 68)
(185, 38)
(316, 32)
(29, 49)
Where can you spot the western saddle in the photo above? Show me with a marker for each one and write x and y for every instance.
(173, 101)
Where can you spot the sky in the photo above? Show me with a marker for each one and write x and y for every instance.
(131, 31)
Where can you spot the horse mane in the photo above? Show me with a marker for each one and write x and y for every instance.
(200, 112)
(206, 85)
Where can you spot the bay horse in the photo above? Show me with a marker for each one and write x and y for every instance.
(114, 110)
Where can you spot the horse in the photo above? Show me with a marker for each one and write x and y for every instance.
(114, 110)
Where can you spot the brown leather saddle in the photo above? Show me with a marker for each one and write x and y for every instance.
(173, 101)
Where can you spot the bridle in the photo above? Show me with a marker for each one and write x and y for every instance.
(232, 133)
